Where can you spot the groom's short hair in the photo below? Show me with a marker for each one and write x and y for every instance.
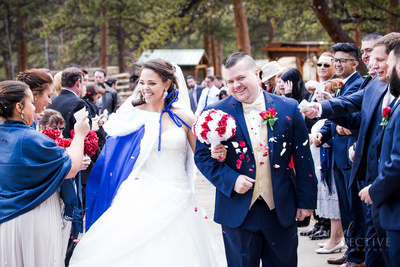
(234, 58)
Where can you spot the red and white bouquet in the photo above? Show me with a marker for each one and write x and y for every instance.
(213, 127)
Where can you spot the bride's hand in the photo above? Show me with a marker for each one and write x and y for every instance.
(219, 152)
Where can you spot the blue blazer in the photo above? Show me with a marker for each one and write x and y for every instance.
(342, 143)
(231, 208)
(367, 101)
(385, 190)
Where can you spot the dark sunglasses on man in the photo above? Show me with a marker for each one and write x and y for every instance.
(325, 65)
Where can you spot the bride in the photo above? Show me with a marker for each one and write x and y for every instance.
(141, 208)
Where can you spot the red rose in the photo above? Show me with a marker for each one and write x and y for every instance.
(264, 114)
(386, 112)
(208, 118)
(204, 134)
(272, 112)
(205, 126)
(221, 130)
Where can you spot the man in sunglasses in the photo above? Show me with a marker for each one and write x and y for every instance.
(345, 61)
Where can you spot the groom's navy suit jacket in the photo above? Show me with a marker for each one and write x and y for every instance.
(368, 101)
(341, 144)
(289, 131)
(385, 190)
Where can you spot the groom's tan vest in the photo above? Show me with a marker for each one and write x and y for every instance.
(263, 184)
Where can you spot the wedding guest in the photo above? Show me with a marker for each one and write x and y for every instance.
(110, 99)
(93, 93)
(32, 168)
(57, 84)
(42, 88)
(294, 85)
(140, 190)
(194, 92)
(268, 77)
(51, 119)
(209, 95)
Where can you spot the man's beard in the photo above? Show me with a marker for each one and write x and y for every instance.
(394, 83)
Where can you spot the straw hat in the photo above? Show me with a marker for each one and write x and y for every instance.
(270, 69)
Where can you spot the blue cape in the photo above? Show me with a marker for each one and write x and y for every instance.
(32, 168)
(113, 166)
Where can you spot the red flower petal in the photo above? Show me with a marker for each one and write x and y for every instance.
(288, 118)
(248, 158)
(242, 144)
(238, 164)
(261, 163)
(251, 170)
(241, 156)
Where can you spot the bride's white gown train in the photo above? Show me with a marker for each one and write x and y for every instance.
(154, 219)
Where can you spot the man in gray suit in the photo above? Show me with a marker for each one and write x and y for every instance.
(194, 92)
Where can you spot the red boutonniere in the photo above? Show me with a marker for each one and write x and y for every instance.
(386, 113)
(338, 88)
(269, 117)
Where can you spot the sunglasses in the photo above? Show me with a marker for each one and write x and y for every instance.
(325, 65)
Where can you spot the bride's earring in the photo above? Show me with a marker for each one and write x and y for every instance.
(165, 94)
(34, 100)
(22, 115)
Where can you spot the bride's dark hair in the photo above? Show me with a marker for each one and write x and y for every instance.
(166, 71)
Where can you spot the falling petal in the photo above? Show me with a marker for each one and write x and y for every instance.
(238, 164)
(261, 163)
(241, 156)
(2, 140)
(110, 173)
(205, 217)
(284, 144)
(305, 143)
(223, 232)
(288, 118)
(244, 149)
(283, 151)
(242, 144)
(310, 175)
(265, 154)
(195, 209)
(238, 151)
(276, 166)
(319, 168)
(248, 158)
(235, 144)
(261, 144)
(251, 170)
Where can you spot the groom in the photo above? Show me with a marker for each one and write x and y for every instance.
(258, 200)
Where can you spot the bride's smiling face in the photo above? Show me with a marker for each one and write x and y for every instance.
(152, 86)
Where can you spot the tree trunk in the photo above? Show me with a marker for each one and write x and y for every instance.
(218, 63)
(7, 65)
(22, 44)
(393, 25)
(103, 60)
(242, 30)
(121, 47)
(332, 26)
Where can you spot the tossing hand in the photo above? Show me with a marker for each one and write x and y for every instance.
(312, 111)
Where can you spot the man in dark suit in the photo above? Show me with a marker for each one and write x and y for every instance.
(384, 192)
(110, 99)
(67, 103)
(345, 61)
(257, 202)
(370, 101)
(194, 92)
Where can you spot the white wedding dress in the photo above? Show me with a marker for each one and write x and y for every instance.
(154, 219)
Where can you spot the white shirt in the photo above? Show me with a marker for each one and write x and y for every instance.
(254, 117)
(208, 96)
